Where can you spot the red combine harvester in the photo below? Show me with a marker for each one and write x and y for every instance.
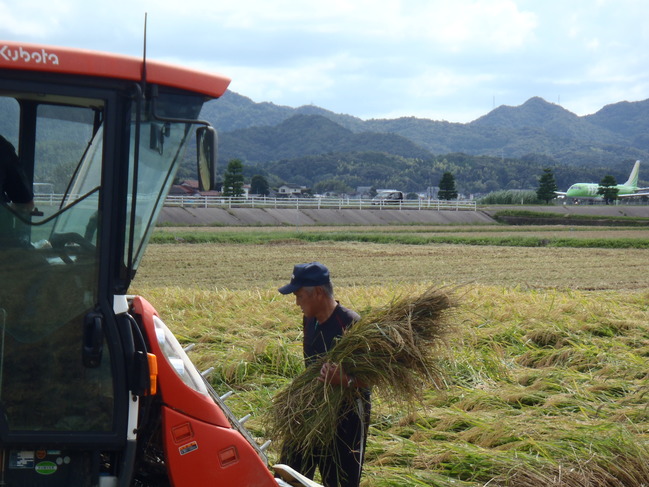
(94, 389)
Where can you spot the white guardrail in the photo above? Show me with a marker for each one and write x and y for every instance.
(315, 203)
(293, 203)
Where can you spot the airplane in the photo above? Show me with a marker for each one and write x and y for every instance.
(589, 190)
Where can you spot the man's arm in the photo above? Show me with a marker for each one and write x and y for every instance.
(334, 374)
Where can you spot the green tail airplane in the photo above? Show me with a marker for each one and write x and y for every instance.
(589, 190)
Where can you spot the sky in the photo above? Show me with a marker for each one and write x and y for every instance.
(452, 60)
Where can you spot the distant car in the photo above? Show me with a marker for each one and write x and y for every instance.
(387, 197)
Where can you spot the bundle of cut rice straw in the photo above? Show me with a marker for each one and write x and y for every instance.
(393, 349)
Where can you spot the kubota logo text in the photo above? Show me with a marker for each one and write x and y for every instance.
(37, 56)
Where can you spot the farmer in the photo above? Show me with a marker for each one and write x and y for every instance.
(14, 187)
(15, 194)
(323, 322)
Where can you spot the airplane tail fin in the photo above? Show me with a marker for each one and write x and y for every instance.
(633, 177)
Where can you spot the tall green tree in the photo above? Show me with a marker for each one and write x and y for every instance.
(608, 189)
(259, 185)
(547, 186)
(233, 179)
(447, 189)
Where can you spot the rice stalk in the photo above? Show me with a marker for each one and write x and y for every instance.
(393, 349)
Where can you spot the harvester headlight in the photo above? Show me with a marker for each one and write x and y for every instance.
(177, 358)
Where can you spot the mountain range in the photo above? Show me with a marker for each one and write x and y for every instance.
(505, 149)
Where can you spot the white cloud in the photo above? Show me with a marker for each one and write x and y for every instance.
(373, 58)
(22, 19)
(496, 25)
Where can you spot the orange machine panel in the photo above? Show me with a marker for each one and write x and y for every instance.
(202, 454)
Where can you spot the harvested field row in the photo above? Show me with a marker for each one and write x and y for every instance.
(237, 266)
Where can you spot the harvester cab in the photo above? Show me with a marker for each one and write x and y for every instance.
(95, 390)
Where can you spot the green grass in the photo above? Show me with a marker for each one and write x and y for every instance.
(511, 197)
(412, 237)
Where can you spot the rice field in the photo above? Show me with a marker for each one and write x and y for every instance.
(546, 368)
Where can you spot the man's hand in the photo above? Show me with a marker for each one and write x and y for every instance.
(331, 373)
(24, 208)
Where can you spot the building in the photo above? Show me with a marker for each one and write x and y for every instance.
(291, 190)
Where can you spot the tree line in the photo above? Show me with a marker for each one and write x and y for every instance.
(234, 180)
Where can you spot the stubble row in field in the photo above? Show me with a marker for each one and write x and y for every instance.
(240, 266)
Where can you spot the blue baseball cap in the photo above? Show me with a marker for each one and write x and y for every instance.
(306, 275)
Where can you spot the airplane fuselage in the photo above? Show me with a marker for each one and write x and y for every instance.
(589, 190)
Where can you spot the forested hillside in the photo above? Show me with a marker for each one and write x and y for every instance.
(473, 174)
(630, 120)
(505, 149)
(304, 135)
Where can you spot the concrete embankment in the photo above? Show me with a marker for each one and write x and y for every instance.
(293, 217)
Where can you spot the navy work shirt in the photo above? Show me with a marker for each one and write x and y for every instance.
(320, 337)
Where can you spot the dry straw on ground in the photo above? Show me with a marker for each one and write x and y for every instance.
(394, 349)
